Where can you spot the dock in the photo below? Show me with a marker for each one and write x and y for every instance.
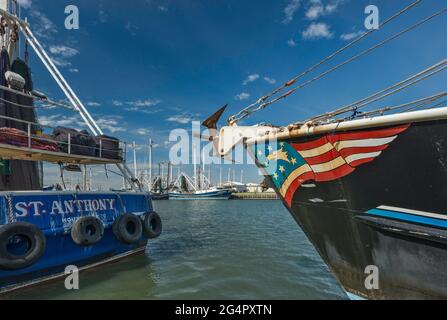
(255, 196)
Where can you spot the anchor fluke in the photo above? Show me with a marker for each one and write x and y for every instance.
(211, 122)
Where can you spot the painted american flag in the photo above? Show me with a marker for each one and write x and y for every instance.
(328, 158)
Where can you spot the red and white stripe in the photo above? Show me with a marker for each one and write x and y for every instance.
(336, 155)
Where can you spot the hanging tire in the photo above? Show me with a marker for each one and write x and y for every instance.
(152, 225)
(22, 244)
(87, 231)
(128, 228)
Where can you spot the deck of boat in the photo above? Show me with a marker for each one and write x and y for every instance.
(11, 152)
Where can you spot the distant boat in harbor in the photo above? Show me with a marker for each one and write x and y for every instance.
(197, 188)
(159, 196)
(208, 194)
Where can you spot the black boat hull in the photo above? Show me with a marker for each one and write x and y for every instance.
(388, 212)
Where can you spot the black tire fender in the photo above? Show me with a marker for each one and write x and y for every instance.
(87, 231)
(152, 225)
(128, 228)
(28, 232)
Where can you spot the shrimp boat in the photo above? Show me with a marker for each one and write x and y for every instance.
(186, 188)
(199, 187)
(368, 188)
(43, 232)
(207, 194)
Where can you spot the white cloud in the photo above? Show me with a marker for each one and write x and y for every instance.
(139, 105)
(163, 8)
(250, 78)
(180, 118)
(61, 55)
(25, 4)
(290, 9)
(242, 96)
(317, 31)
(270, 80)
(291, 43)
(60, 62)
(42, 26)
(330, 8)
(141, 131)
(143, 103)
(318, 8)
(131, 28)
(351, 36)
(93, 104)
(111, 124)
(59, 120)
(117, 103)
(145, 111)
(103, 16)
(73, 70)
(314, 11)
(63, 51)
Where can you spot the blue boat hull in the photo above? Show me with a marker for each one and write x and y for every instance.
(214, 195)
(54, 216)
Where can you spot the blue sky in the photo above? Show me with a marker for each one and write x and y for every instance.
(145, 67)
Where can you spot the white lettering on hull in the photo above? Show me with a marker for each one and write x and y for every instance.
(37, 208)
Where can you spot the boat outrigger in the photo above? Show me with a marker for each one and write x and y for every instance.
(43, 232)
(375, 181)
(197, 188)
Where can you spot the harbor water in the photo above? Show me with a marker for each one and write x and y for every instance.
(211, 250)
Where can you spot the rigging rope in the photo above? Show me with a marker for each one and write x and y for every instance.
(24, 106)
(250, 109)
(39, 99)
(381, 94)
(420, 103)
(432, 107)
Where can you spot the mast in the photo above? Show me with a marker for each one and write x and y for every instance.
(159, 176)
(162, 174)
(134, 149)
(12, 7)
(209, 174)
(220, 176)
(168, 176)
(242, 176)
(203, 169)
(194, 160)
(149, 185)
